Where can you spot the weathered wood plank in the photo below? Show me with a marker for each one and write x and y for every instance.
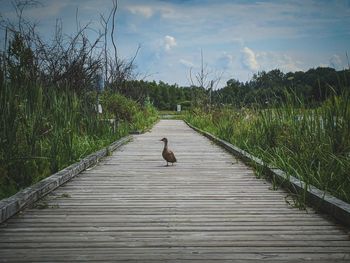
(208, 207)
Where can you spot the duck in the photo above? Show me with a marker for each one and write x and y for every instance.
(167, 154)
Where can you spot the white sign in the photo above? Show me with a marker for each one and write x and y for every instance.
(100, 83)
(178, 108)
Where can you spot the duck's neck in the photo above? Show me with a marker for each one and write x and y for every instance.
(165, 145)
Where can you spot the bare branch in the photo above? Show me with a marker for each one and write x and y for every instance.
(104, 22)
(115, 7)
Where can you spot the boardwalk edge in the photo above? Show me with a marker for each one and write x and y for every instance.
(12, 205)
(315, 197)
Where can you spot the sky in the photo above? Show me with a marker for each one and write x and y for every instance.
(237, 38)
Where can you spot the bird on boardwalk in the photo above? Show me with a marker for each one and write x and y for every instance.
(167, 154)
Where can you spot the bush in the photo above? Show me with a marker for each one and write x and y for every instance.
(122, 108)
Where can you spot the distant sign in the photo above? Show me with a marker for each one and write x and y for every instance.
(178, 108)
(99, 83)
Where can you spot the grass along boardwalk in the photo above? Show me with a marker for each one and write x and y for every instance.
(208, 207)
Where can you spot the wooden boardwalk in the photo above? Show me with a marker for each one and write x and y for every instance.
(209, 207)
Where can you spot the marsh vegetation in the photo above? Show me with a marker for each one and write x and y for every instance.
(50, 92)
(312, 144)
(49, 96)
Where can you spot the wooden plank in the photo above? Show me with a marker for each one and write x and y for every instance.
(207, 207)
(29, 195)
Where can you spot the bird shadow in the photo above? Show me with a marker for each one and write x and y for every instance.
(166, 165)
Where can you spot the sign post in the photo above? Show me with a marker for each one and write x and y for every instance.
(99, 88)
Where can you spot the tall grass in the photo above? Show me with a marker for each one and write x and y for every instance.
(48, 116)
(43, 130)
(310, 144)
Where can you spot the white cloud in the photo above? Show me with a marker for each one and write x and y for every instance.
(269, 60)
(186, 63)
(249, 59)
(143, 10)
(148, 11)
(336, 62)
(169, 42)
(287, 63)
(272, 60)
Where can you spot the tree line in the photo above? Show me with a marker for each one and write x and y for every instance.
(264, 90)
(270, 88)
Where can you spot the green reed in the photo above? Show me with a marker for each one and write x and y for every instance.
(45, 129)
(312, 144)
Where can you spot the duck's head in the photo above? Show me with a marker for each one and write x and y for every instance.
(164, 140)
